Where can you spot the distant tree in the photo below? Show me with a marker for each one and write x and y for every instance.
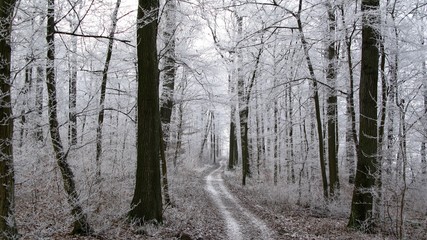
(8, 228)
(362, 201)
(147, 199)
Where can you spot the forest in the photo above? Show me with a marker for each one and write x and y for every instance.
(206, 119)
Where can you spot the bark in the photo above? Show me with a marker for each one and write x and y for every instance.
(147, 199)
(103, 90)
(316, 105)
(80, 225)
(8, 228)
(362, 201)
(332, 125)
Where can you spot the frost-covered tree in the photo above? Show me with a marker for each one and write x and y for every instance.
(8, 228)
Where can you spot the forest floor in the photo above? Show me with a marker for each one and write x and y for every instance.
(208, 203)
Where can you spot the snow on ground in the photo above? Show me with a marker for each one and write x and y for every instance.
(240, 222)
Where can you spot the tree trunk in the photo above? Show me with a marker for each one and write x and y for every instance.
(147, 199)
(352, 142)
(316, 106)
(167, 99)
(424, 138)
(8, 228)
(165, 183)
(332, 125)
(80, 225)
(103, 90)
(39, 103)
(276, 144)
(362, 201)
(26, 99)
(233, 153)
(72, 87)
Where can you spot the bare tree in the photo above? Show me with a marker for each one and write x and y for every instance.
(103, 90)
(147, 199)
(362, 201)
(81, 224)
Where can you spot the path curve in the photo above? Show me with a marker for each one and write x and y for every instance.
(239, 221)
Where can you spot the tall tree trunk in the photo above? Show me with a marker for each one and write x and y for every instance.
(244, 99)
(290, 147)
(332, 125)
(316, 103)
(352, 142)
(167, 99)
(39, 103)
(276, 143)
(180, 113)
(8, 228)
(103, 90)
(26, 99)
(424, 138)
(165, 183)
(232, 154)
(80, 225)
(147, 199)
(72, 86)
(362, 201)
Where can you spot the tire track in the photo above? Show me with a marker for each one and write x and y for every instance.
(239, 221)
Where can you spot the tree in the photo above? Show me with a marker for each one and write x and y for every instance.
(103, 90)
(167, 99)
(81, 224)
(315, 100)
(147, 199)
(362, 201)
(72, 84)
(331, 75)
(8, 228)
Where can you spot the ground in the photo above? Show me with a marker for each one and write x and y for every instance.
(208, 203)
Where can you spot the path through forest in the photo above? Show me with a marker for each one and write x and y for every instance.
(240, 223)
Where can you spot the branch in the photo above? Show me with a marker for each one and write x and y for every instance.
(127, 42)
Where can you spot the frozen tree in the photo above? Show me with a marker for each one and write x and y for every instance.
(8, 228)
(81, 224)
(362, 202)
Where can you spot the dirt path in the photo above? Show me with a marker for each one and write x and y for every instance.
(240, 223)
